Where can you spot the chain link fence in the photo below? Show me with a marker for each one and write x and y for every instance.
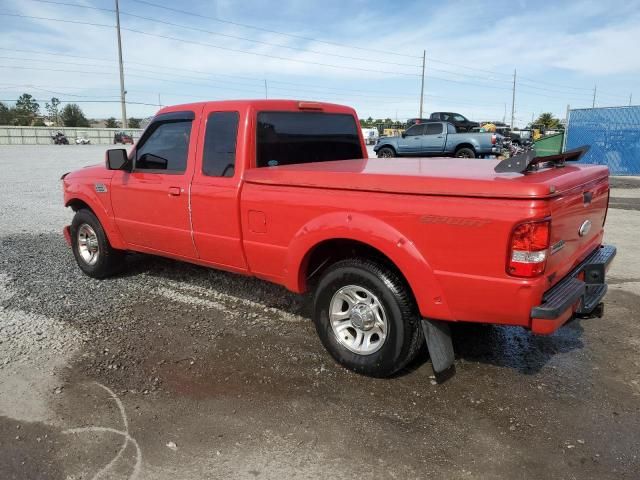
(613, 135)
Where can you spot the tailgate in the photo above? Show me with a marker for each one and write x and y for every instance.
(577, 225)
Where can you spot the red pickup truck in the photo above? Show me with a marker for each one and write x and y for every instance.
(393, 249)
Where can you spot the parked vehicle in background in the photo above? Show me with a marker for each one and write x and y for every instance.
(82, 141)
(392, 132)
(392, 251)
(438, 139)
(461, 123)
(59, 138)
(370, 135)
(122, 137)
(414, 121)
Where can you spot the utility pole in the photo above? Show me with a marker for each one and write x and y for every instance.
(266, 90)
(593, 104)
(159, 101)
(122, 90)
(630, 97)
(424, 55)
(513, 98)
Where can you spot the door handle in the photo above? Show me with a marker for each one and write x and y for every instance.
(440, 136)
(174, 191)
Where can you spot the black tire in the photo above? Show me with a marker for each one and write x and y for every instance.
(465, 153)
(386, 152)
(108, 261)
(404, 333)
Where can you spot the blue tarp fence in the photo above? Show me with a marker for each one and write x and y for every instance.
(613, 135)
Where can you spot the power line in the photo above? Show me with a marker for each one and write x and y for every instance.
(210, 32)
(317, 40)
(251, 79)
(211, 45)
(291, 35)
(237, 50)
(87, 101)
(76, 22)
(308, 62)
(78, 5)
(279, 45)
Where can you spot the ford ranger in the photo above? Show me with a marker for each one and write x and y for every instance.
(438, 139)
(392, 251)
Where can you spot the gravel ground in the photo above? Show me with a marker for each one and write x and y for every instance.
(175, 371)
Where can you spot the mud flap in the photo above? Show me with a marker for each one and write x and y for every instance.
(438, 337)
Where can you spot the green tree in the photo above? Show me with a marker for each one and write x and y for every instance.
(26, 110)
(111, 123)
(73, 116)
(548, 121)
(134, 122)
(6, 115)
(38, 122)
(53, 111)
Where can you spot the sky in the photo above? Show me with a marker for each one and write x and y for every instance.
(367, 54)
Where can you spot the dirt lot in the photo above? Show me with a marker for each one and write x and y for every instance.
(172, 371)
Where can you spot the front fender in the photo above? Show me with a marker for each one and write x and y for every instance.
(386, 143)
(99, 204)
(374, 233)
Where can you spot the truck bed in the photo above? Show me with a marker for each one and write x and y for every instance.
(432, 176)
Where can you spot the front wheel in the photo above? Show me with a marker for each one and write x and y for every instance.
(386, 152)
(93, 252)
(366, 317)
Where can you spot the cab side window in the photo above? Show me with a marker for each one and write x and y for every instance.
(434, 129)
(219, 155)
(415, 130)
(166, 148)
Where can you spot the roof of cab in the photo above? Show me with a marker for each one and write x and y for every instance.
(262, 104)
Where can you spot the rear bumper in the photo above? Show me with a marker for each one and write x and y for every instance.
(579, 292)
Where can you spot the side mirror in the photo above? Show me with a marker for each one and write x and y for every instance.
(116, 159)
(404, 134)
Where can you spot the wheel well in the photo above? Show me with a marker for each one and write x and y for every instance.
(465, 145)
(326, 253)
(77, 204)
(387, 146)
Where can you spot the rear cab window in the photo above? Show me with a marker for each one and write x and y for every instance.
(287, 138)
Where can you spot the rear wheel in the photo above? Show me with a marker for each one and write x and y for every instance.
(386, 152)
(91, 248)
(366, 317)
(465, 153)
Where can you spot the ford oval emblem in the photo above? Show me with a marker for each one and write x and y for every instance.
(584, 228)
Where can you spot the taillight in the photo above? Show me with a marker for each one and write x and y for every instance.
(528, 248)
(494, 139)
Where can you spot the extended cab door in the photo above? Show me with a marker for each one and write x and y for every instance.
(410, 142)
(434, 138)
(151, 203)
(215, 190)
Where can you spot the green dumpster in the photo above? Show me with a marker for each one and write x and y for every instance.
(550, 145)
